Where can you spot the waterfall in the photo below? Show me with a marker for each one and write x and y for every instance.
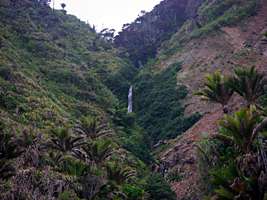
(130, 100)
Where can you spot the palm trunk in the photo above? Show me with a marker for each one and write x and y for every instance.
(260, 127)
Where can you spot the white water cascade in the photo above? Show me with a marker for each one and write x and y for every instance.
(130, 100)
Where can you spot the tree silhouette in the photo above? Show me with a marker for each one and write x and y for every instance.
(63, 5)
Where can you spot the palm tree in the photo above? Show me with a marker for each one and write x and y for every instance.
(98, 151)
(259, 128)
(238, 129)
(55, 159)
(248, 83)
(7, 169)
(120, 174)
(93, 128)
(8, 150)
(8, 147)
(216, 89)
(90, 186)
(63, 140)
(117, 175)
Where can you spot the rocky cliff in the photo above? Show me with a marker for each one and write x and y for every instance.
(143, 37)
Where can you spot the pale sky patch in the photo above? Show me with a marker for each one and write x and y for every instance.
(107, 13)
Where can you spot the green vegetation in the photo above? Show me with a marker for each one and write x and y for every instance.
(64, 130)
(159, 188)
(217, 90)
(211, 17)
(234, 160)
(249, 84)
(223, 13)
(158, 104)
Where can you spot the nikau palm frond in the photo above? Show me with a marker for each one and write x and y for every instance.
(6, 169)
(63, 140)
(216, 89)
(239, 128)
(98, 151)
(248, 83)
(120, 174)
(93, 128)
(8, 147)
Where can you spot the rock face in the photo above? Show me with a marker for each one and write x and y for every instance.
(240, 45)
(142, 38)
(182, 158)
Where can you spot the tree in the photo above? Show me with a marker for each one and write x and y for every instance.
(93, 128)
(107, 34)
(90, 186)
(7, 169)
(239, 164)
(159, 189)
(8, 150)
(63, 5)
(44, 2)
(239, 175)
(117, 175)
(63, 140)
(120, 174)
(216, 89)
(248, 83)
(238, 128)
(98, 151)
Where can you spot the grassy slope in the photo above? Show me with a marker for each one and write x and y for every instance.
(54, 63)
(54, 69)
(214, 41)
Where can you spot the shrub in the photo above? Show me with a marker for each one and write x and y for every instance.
(67, 195)
(158, 104)
(5, 73)
(159, 189)
(174, 176)
(223, 13)
(74, 167)
(133, 192)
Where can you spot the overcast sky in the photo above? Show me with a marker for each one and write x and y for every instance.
(107, 13)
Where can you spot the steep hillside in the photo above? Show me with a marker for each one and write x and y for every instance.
(58, 55)
(222, 47)
(231, 38)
